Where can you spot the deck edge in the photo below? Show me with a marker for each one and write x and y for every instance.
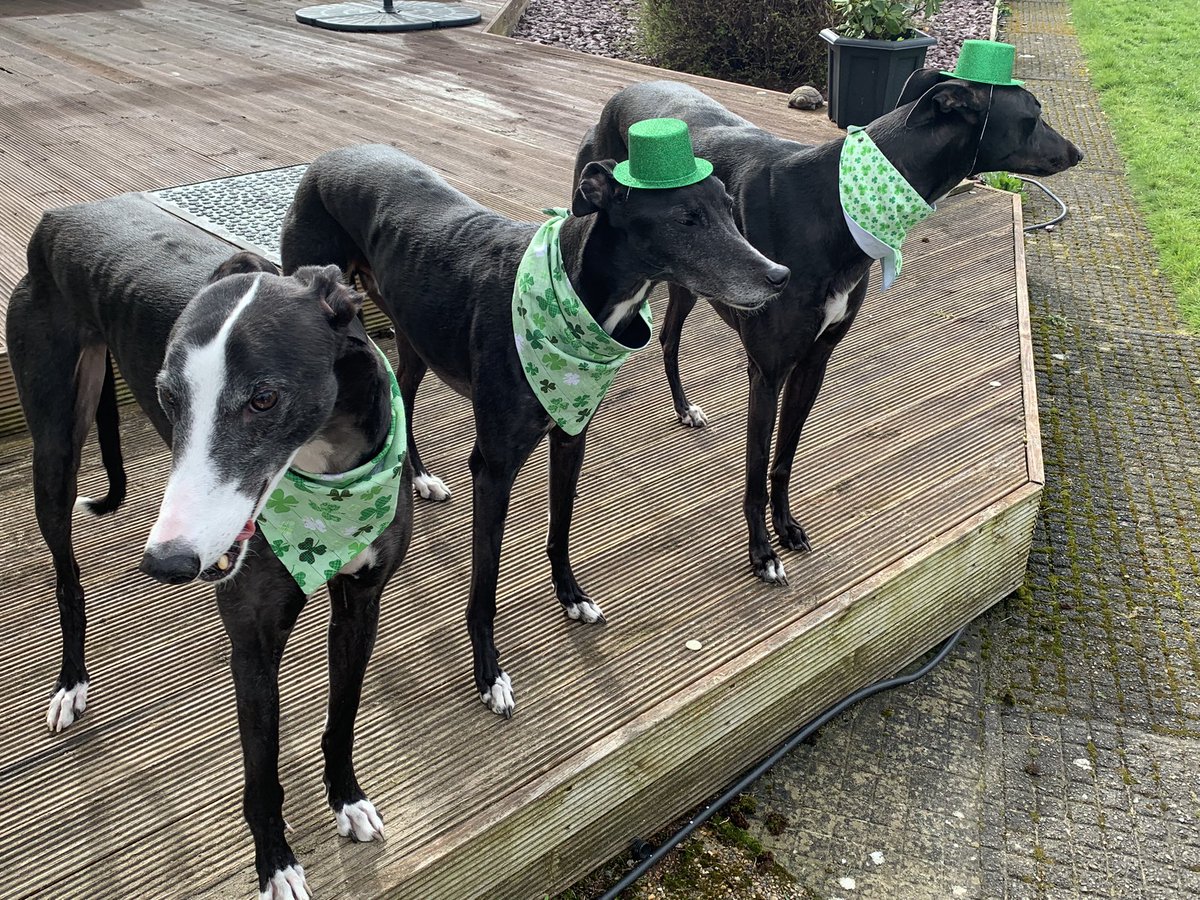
(587, 809)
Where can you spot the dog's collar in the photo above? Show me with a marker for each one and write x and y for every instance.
(316, 523)
(878, 203)
(568, 359)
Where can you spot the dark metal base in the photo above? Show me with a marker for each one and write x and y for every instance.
(407, 15)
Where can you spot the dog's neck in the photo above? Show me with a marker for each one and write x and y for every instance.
(357, 428)
(932, 161)
(598, 262)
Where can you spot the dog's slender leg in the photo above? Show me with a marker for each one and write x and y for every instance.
(258, 620)
(57, 442)
(566, 459)
(799, 394)
(680, 303)
(409, 375)
(353, 623)
(764, 397)
(54, 474)
(493, 481)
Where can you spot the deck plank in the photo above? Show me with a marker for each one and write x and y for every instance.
(914, 480)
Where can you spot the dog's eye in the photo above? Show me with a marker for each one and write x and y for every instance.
(264, 400)
(166, 399)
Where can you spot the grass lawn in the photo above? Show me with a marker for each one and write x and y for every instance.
(1144, 57)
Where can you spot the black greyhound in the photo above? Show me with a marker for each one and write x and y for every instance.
(255, 372)
(443, 268)
(787, 203)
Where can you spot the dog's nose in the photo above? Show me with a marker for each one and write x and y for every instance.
(778, 277)
(170, 565)
(1075, 155)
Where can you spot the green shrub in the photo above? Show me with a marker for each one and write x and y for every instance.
(767, 43)
(881, 20)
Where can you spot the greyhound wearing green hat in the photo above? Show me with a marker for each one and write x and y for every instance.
(790, 200)
(530, 322)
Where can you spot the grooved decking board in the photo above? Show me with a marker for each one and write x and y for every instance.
(917, 478)
(912, 480)
(158, 94)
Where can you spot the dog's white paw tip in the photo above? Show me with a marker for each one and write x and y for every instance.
(773, 572)
(694, 417)
(430, 487)
(360, 821)
(585, 611)
(499, 699)
(66, 706)
(287, 884)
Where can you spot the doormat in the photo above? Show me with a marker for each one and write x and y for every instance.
(245, 210)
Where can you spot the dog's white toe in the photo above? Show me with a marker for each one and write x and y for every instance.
(430, 487)
(773, 573)
(287, 884)
(694, 417)
(586, 612)
(500, 699)
(66, 706)
(360, 821)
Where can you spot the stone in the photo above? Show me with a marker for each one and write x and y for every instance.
(806, 97)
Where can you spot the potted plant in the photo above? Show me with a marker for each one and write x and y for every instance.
(872, 52)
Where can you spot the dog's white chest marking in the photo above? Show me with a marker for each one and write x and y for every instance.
(364, 560)
(314, 456)
(622, 310)
(835, 310)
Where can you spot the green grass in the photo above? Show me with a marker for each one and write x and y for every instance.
(1142, 57)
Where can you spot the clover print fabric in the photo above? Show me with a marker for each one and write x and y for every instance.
(876, 197)
(568, 359)
(317, 523)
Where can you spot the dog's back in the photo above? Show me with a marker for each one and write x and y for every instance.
(116, 273)
(430, 255)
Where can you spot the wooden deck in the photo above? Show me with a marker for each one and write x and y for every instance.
(920, 477)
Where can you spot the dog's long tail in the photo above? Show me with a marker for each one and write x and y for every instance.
(108, 433)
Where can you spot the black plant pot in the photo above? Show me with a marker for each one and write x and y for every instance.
(866, 76)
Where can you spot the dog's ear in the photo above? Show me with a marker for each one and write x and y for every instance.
(597, 188)
(950, 98)
(918, 83)
(242, 263)
(338, 300)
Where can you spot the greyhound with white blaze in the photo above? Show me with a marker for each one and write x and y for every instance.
(265, 388)
(445, 269)
(809, 208)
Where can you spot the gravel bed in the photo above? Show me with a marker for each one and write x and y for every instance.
(609, 27)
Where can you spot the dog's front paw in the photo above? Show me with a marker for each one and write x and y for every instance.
(693, 417)
(286, 884)
(770, 569)
(499, 697)
(585, 611)
(430, 487)
(359, 821)
(792, 536)
(66, 706)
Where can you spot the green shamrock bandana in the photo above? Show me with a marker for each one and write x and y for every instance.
(880, 206)
(316, 523)
(568, 359)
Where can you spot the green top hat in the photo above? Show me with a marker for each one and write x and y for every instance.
(988, 62)
(660, 156)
